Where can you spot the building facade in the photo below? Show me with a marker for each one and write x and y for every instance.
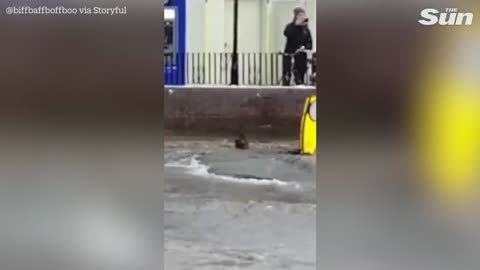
(201, 33)
(209, 24)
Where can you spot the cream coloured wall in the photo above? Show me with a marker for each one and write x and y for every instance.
(261, 24)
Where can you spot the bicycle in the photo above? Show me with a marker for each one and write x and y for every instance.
(287, 76)
(292, 73)
(313, 67)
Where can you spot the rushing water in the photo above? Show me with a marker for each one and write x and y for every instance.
(230, 209)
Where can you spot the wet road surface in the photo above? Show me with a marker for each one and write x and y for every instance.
(232, 209)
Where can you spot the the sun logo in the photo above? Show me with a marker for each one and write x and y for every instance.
(432, 16)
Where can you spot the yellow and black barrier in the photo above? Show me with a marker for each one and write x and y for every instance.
(308, 127)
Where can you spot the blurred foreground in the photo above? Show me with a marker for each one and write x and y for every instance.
(80, 199)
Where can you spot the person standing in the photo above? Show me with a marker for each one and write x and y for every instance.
(297, 35)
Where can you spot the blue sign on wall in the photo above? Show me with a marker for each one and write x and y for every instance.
(175, 35)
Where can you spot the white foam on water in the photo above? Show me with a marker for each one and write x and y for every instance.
(195, 167)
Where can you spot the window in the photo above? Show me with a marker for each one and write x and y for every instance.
(169, 37)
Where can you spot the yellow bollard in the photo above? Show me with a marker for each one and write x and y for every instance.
(308, 127)
(449, 119)
(451, 140)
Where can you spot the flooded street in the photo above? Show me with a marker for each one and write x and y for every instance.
(230, 209)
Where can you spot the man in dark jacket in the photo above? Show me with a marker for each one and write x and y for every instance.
(298, 35)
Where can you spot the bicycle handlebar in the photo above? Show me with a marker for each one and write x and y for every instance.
(299, 50)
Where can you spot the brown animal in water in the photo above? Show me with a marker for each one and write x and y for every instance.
(241, 142)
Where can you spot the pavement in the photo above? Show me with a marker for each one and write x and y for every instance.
(238, 209)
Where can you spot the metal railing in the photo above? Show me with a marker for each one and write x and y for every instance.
(262, 69)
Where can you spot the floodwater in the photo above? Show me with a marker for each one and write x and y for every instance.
(230, 209)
